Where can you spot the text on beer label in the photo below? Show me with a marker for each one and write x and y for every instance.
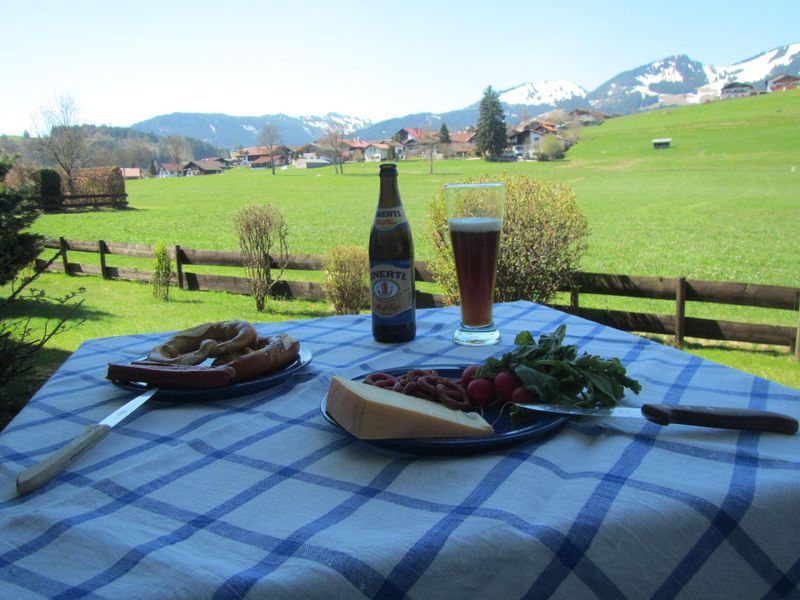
(387, 219)
(391, 285)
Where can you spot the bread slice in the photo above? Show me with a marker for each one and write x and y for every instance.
(373, 413)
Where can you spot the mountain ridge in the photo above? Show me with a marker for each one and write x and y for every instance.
(671, 81)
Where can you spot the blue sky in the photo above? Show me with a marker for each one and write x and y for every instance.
(126, 62)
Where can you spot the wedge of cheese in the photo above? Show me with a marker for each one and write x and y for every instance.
(372, 413)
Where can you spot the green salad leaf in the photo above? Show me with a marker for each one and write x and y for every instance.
(555, 373)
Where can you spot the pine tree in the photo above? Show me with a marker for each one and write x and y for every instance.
(490, 138)
(17, 214)
(444, 134)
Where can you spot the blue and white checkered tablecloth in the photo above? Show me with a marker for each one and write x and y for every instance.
(260, 497)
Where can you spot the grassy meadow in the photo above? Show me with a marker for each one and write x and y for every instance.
(722, 204)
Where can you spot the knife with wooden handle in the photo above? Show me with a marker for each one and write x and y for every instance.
(702, 416)
(39, 474)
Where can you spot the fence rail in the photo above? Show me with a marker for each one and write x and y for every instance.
(678, 289)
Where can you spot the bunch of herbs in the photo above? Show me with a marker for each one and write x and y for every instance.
(556, 374)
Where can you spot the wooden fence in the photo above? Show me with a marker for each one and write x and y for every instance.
(679, 290)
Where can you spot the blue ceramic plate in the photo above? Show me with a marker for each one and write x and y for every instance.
(505, 434)
(242, 388)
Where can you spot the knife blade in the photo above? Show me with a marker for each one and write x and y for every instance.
(701, 416)
(36, 476)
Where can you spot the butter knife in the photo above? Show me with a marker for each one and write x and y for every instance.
(39, 474)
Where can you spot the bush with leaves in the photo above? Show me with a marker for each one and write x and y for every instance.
(162, 272)
(18, 247)
(542, 241)
(262, 233)
(20, 340)
(550, 149)
(347, 279)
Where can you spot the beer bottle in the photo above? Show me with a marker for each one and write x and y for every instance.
(391, 265)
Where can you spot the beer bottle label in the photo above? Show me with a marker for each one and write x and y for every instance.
(387, 219)
(392, 285)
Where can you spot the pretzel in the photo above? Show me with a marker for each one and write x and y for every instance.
(269, 354)
(192, 346)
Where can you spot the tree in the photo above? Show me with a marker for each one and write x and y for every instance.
(19, 339)
(61, 140)
(18, 246)
(444, 134)
(270, 137)
(334, 139)
(490, 138)
(428, 142)
(176, 147)
(262, 233)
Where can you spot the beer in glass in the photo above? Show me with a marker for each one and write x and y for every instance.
(475, 220)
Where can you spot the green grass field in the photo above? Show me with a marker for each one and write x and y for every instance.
(721, 204)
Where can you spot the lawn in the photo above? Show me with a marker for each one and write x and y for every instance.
(721, 204)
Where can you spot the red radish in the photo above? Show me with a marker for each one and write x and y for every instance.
(480, 392)
(522, 395)
(505, 383)
(469, 374)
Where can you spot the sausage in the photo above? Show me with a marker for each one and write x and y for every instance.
(276, 353)
(270, 355)
(172, 376)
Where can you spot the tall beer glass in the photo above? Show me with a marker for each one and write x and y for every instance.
(475, 218)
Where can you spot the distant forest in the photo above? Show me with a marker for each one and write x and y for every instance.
(114, 146)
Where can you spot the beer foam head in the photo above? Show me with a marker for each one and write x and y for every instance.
(475, 224)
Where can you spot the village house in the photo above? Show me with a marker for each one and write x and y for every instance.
(462, 145)
(526, 138)
(587, 118)
(169, 170)
(783, 83)
(354, 149)
(376, 152)
(410, 138)
(202, 167)
(245, 157)
(265, 162)
(736, 89)
(131, 172)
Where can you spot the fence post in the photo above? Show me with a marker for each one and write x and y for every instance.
(64, 259)
(680, 310)
(101, 245)
(574, 301)
(797, 333)
(179, 265)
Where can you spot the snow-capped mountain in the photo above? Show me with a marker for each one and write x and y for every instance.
(679, 80)
(551, 92)
(226, 131)
(672, 81)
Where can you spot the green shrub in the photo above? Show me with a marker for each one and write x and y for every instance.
(541, 244)
(262, 233)
(48, 186)
(551, 149)
(48, 182)
(347, 279)
(162, 273)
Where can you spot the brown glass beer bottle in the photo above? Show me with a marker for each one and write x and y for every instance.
(391, 265)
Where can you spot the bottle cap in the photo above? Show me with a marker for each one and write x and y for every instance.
(388, 170)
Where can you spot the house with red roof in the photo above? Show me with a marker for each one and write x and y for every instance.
(783, 83)
(526, 137)
(376, 152)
